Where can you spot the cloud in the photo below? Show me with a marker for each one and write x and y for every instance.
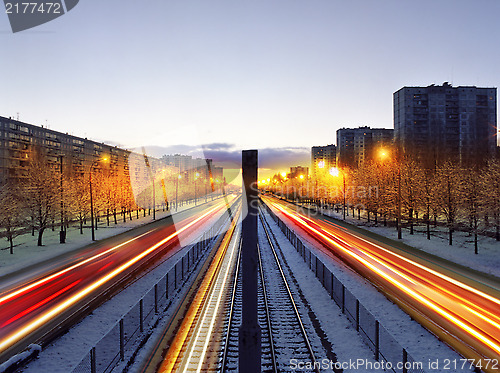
(228, 156)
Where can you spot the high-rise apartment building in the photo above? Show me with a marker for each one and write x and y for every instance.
(298, 171)
(438, 123)
(323, 158)
(189, 166)
(19, 141)
(358, 145)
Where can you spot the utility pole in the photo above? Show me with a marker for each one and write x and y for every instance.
(62, 233)
(249, 333)
(91, 203)
(398, 165)
(152, 176)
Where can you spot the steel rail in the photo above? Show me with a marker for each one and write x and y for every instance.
(292, 301)
(231, 310)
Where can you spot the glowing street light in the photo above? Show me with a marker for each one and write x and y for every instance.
(383, 154)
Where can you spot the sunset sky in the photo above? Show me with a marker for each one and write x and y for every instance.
(276, 75)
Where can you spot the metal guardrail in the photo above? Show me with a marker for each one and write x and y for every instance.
(376, 337)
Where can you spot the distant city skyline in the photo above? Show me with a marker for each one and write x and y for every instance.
(279, 76)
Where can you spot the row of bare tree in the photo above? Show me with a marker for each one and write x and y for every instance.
(449, 194)
(44, 198)
(467, 197)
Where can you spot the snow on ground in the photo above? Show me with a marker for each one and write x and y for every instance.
(64, 354)
(420, 343)
(26, 251)
(461, 252)
(337, 328)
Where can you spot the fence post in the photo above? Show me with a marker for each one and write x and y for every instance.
(175, 276)
(122, 341)
(141, 315)
(377, 340)
(324, 278)
(182, 268)
(166, 286)
(357, 315)
(331, 290)
(343, 299)
(156, 298)
(405, 360)
(92, 361)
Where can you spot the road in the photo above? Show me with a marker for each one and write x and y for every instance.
(33, 304)
(461, 309)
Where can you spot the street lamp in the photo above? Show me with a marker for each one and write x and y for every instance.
(62, 234)
(154, 195)
(334, 171)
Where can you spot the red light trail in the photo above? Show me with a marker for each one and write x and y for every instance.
(463, 312)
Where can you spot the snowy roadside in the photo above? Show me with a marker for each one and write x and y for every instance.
(423, 346)
(66, 352)
(461, 252)
(334, 324)
(26, 251)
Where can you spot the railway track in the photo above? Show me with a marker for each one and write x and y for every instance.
(288, 335)
(193, 338)
(285, 335)
(210, 343)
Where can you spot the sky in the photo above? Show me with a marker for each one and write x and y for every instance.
(280, 76)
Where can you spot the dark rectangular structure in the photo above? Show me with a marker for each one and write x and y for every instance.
(249, 334)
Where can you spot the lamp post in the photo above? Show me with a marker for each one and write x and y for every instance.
(62, 234)
(154, 196)
(398, 161)
(91, 203)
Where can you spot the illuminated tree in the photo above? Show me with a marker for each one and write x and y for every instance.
(41, 192)
(411, 188)
(471, 193)
(80, 199)
(428, 198)
(11, 213)
(448, 194)
(490, 188)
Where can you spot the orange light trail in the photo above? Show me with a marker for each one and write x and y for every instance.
(189, 319)
(473, 312)
(72, 299)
